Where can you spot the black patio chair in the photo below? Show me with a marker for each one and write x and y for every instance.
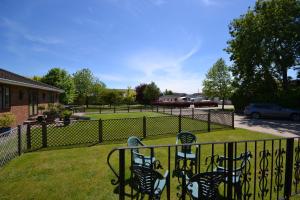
(138, 158)
(204, 186)
(185, 154)
(147, 181)
(239, 164)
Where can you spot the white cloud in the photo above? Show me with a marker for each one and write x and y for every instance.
(166, 70)
(19, 31)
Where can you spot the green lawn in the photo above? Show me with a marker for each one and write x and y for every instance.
(124, 115)
(82, 173)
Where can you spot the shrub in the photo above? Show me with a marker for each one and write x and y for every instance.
(7, 120)
(66, 114)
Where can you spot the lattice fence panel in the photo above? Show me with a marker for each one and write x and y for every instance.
(120, 129)
(162, 125)
(220, 119)
(36, 136)
(194, 123)
(23, 138)
(79, 132)
(8, 146)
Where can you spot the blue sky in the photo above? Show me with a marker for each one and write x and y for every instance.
(123, 42)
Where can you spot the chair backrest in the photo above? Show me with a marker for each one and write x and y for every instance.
(186, 138)
(134, 142)
(145, 177)
(207, 182)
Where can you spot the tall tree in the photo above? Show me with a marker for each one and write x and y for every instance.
(61, 79)
(151, 93)
(218, 81)
(84, 80)
(139, 90)
(168, 92)
(112, 97)
(265, 43)
(129, 96)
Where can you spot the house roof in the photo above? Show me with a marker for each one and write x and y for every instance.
(11, 78)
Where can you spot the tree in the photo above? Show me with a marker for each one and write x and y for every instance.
(37, 78)
(139, 90)
(61, 79)
(129, 96)
(218, 81)
(97, 91)
(265, 43)
(84, 80)
(151, 93)
(111, 97)
(168, 92)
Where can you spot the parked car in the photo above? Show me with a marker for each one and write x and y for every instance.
(260, 110)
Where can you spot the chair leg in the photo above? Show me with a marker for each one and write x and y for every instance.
(238, 190)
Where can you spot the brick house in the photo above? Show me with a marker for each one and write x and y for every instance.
(22, 96)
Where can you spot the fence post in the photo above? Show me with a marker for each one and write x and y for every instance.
(122, 174)
(193, 113)
(289, 168)
(171, 110)
(100, 109)
(144, 127)
(28, 136)
(141, 109)
(100, 126)
(232, 118)
(44, 134)
(19, 140)
(180, 111)
(230, 169)
(208, 121)
(128, 107)
(179, 123)
(114, 109)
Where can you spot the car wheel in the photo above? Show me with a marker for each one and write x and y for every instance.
(255, 115)
(295, 117)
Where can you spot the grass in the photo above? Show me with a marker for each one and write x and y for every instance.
(82, 173)
(124, 115)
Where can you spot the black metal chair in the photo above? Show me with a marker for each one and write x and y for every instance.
(185, 153)
(204, 186)
(239, 163)
(147, 181)
(138, 158)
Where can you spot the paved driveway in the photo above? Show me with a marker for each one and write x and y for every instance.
(275, 127)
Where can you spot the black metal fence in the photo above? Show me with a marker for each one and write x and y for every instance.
(258, 169)
(110, 130)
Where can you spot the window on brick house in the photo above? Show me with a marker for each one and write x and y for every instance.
(21, 95)
(4, 97)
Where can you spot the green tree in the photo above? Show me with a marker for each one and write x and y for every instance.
(139, 90)
(129, 96)
(84, 80)
(168, 92)
(151, 93)
(37, 78)
(61, 79)
(97, 91)
(218, 81)
(265, 43)
(111, 97)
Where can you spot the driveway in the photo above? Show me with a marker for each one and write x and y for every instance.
(276, 127)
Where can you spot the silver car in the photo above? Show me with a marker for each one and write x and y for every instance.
(260, 110)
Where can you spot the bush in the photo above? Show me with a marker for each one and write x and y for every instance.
(7, 120)
(66, 114)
